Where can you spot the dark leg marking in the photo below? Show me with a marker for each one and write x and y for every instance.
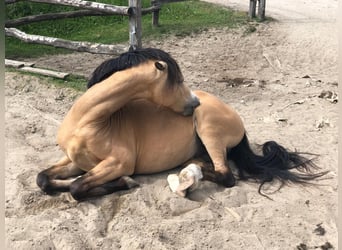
(80, 190)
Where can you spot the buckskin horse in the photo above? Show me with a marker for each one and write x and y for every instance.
(138, 117)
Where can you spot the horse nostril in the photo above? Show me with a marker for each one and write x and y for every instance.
(188, 110)
(196, 103)
(191, 105)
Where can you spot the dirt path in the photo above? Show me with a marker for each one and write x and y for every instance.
(292, 10)
(274, 77)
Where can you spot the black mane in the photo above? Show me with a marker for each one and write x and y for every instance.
(134, 58)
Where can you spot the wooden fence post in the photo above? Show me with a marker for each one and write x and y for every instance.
(135, 25)
(155, 14)
(261, 9)
(252, 8)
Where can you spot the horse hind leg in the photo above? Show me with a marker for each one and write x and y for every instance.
(206, 166)
(55, 178)
(208, 170)
(217, 170)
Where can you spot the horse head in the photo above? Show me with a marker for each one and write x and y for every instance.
(170, 91)
(160, 75)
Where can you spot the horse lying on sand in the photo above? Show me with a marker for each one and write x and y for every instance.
(138, 117)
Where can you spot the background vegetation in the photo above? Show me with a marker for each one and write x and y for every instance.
(180, 19)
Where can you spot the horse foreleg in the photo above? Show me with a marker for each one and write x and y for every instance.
(55, 178)
(122, 183)
(108, 176)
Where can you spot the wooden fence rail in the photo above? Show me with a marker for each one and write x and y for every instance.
(52, 16)
(68, 14)
(96, 48)
(101, 7)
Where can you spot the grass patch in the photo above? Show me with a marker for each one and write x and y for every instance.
(180, 19)
(72, 81)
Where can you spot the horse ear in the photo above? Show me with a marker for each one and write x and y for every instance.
(160, 65)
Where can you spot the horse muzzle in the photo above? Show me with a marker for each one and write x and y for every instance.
(190, 107)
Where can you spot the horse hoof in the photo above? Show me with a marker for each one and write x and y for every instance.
(227, 180)
(76, 190)
(44, 183)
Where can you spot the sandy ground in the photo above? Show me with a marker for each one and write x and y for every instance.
(274, 77)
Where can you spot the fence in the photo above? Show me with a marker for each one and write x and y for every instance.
(134, 11)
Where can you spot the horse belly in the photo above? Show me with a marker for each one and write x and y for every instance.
(164, 156)
(171, 147)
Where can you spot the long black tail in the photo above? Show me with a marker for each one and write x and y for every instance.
(275, 163)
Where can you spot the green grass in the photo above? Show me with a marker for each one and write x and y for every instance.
(180, 19)
(72, 81)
